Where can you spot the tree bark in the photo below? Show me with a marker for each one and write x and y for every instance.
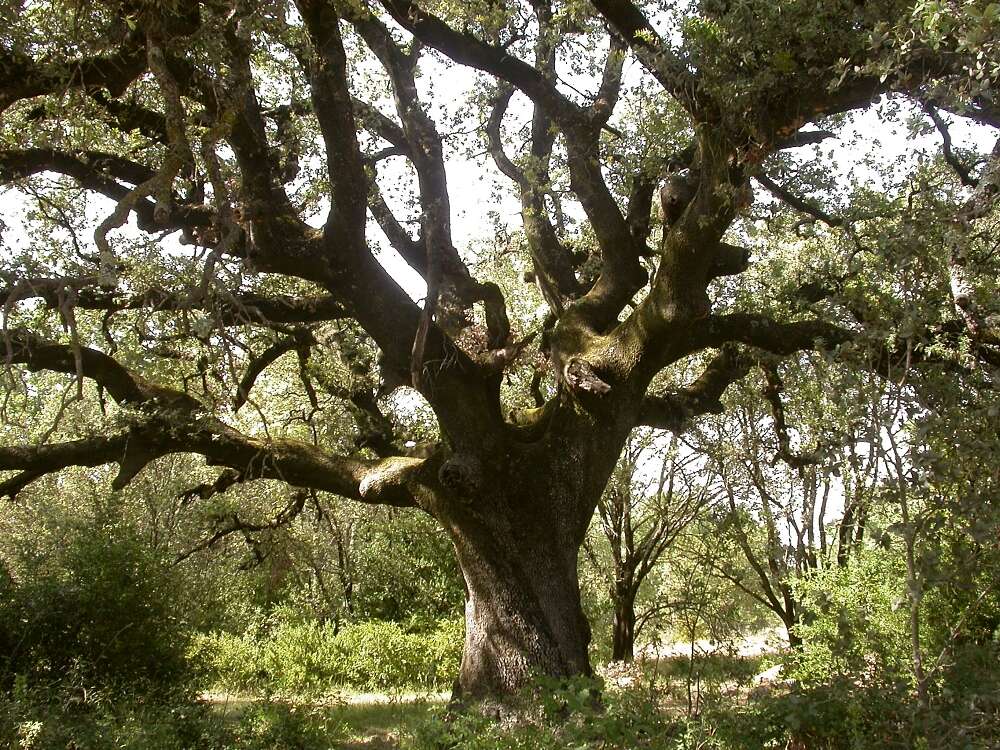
(517, 539)
(523, 615)
(794, 639)
(623, 627)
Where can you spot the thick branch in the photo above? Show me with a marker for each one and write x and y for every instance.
(301, 464)
(978, 205)
(552, 262)
(411, 250)
(674, 411)
(621, 273)
(23, 78)
(101, 172)
(24, 347)
(249, 308)
(771, 335)
(177, 423)
(654, 54)
(949, 155)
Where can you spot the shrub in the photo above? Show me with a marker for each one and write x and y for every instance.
(228, 662)
(557, 714)
(278, 726)
(39, 719)
(855, 621)
(379, 656)
(310, 658)
(99, 611)
(846, 714)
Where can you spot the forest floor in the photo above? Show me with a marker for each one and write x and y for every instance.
(375, 721)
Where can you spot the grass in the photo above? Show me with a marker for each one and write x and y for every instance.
(713, 667)
(348, 720)
(368, 720)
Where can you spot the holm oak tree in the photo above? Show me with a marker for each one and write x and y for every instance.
(251, 143)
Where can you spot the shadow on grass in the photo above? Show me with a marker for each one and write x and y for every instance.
(383, 718)
(354, 721)
(713, 667)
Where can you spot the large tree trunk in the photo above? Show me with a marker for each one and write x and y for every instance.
(523, 615)
(517, 538)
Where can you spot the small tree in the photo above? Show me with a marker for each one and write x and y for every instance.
(652, 496)
(777, 509)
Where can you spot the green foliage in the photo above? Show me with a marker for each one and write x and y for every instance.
(559, 714)
(704, 605)
(285, 727)
(100, 610)
(40, 720)
(43, 723)
(719, 668)
(847, 714)
(350, 562)
(856, 621)
(311, 658)
(840, 715)
(751, 52)
(968, 705)
(855, 668)
(406, 570)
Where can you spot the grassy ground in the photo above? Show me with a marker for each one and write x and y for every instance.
(38, 719)
(378, 725)
(367, 720)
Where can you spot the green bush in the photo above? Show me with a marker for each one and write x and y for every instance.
(279, 726)
(965, 710)
(406, 570)
(554, 715)
(43, 720)
(838, 715)
(228, 662)
(310, 658)
(99, 611)
(379, 656)
(855, 621)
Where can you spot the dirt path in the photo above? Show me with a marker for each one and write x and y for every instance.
(372, 699)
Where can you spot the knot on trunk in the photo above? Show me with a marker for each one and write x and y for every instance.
(581, 377)
(675, 195)
(462, 474)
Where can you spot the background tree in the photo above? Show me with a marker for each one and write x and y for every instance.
(776, 510)
(640, 515)
(257, 134)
